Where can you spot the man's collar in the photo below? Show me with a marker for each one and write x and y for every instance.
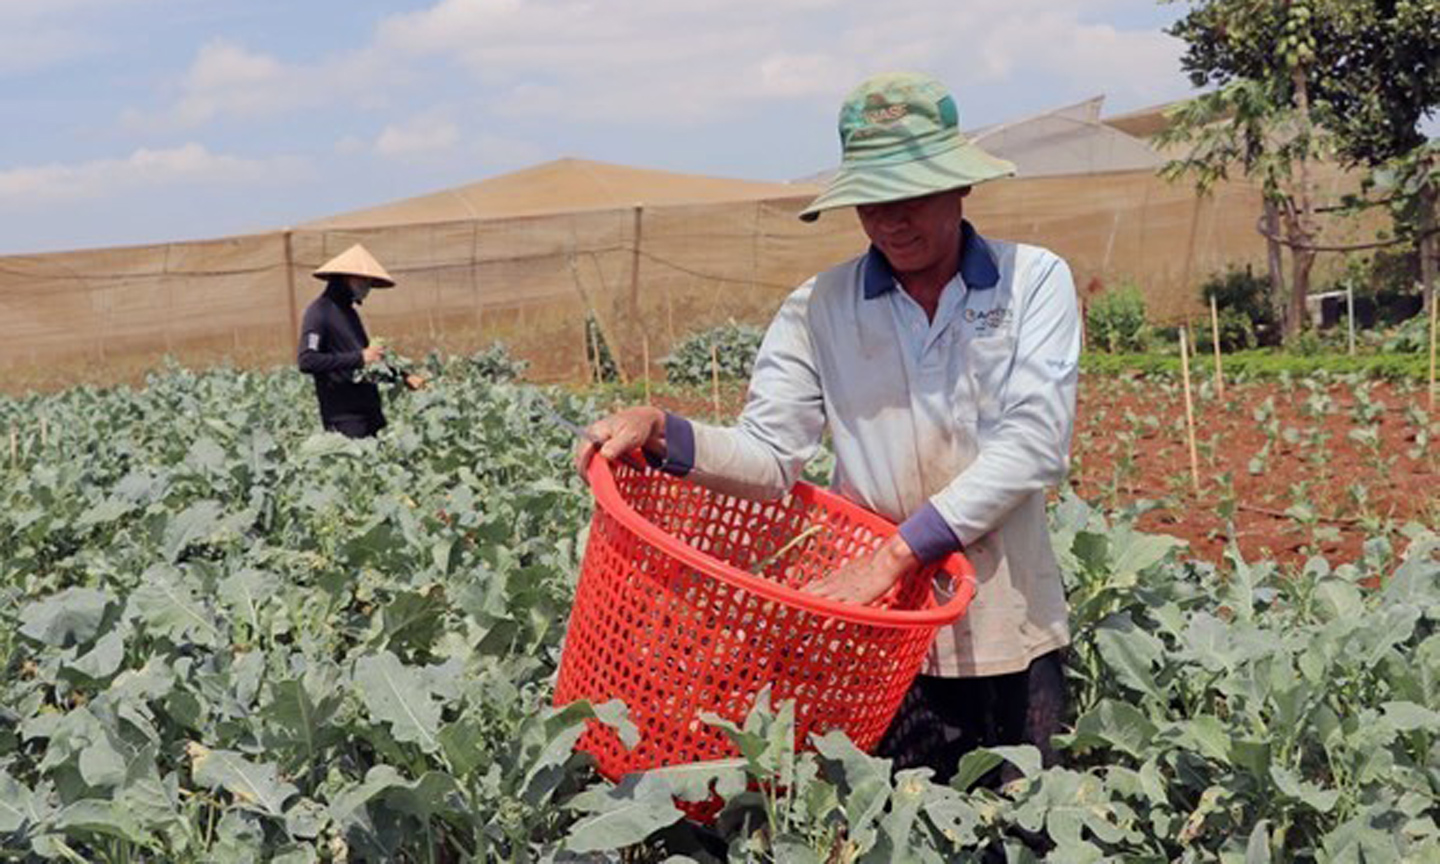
(977, 265)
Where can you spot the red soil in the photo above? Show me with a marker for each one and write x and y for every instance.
(1130, 446)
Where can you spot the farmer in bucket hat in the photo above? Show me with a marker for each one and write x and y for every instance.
(334, 345)
(944, 365)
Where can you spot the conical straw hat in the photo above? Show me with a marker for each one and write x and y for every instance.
(356, 261)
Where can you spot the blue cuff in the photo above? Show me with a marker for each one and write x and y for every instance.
(679, 447)
(929, 536)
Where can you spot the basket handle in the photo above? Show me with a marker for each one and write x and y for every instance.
(958, 570)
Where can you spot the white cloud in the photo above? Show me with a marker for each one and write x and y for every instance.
(27, 51)
(664, 62)
(435, 140)
(228, 81)
(350, 145)
(661, 62)
(658, 63)
(620, 60)
(37, 35)
(504, 153)
(417, 136)
(788, 75)
(1140, 65)
(22, 16)
(14, 12)
(1076, 57)
(227, 78)
(189, 164)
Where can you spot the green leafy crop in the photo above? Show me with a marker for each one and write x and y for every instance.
(733, 345)
(227, 637)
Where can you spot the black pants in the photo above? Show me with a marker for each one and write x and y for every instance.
(942, 719)
(355, 428)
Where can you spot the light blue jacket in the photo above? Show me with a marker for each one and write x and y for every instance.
(955, 427)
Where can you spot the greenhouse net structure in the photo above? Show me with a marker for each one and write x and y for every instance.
(531, 258)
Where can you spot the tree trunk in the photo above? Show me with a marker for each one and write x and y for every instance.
(1302, 260)
(1276, 261)
(1302, 220)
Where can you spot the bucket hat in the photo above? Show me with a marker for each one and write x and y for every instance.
(356, 261)
(900, 138)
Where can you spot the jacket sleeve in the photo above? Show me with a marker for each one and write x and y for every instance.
(313, 357)
(1029, 449)
(780, 428)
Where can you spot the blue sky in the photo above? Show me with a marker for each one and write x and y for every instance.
(136, 121)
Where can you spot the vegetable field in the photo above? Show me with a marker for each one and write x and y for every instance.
(1289, 467)
(228, 638)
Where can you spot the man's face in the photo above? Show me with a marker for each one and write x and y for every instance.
(360, 287)
(916, 235)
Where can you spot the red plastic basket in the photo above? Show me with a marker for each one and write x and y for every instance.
(668, 618)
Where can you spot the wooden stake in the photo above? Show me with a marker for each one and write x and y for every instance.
(715, 377)
(635, 233)
(1434, 325)
(288, 237)
(669, 315)
(14, 448)
(645, 352)
(585, 351)
(1215, 338)
(44, 433)
(475, 283)
(592, 355)
(1189, 409)
(1190, 245)
(1350, 314)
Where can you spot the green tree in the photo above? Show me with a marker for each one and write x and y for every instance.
(1260, 55)
(1302, 79)
(1387, 81)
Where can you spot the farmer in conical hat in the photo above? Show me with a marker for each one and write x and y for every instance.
(334, 345)
(944, 365)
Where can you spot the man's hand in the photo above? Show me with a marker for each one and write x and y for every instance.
(415, 382)
(621, 433)
(867, 578)
(372, 354)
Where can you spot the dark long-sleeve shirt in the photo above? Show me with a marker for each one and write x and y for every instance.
(332, 342)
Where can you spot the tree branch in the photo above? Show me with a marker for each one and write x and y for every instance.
(1316, 247)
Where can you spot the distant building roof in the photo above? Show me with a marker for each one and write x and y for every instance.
(560, 186)
(1144, 123)
(1068, 140)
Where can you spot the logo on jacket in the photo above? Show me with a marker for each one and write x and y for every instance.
(988, 320)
